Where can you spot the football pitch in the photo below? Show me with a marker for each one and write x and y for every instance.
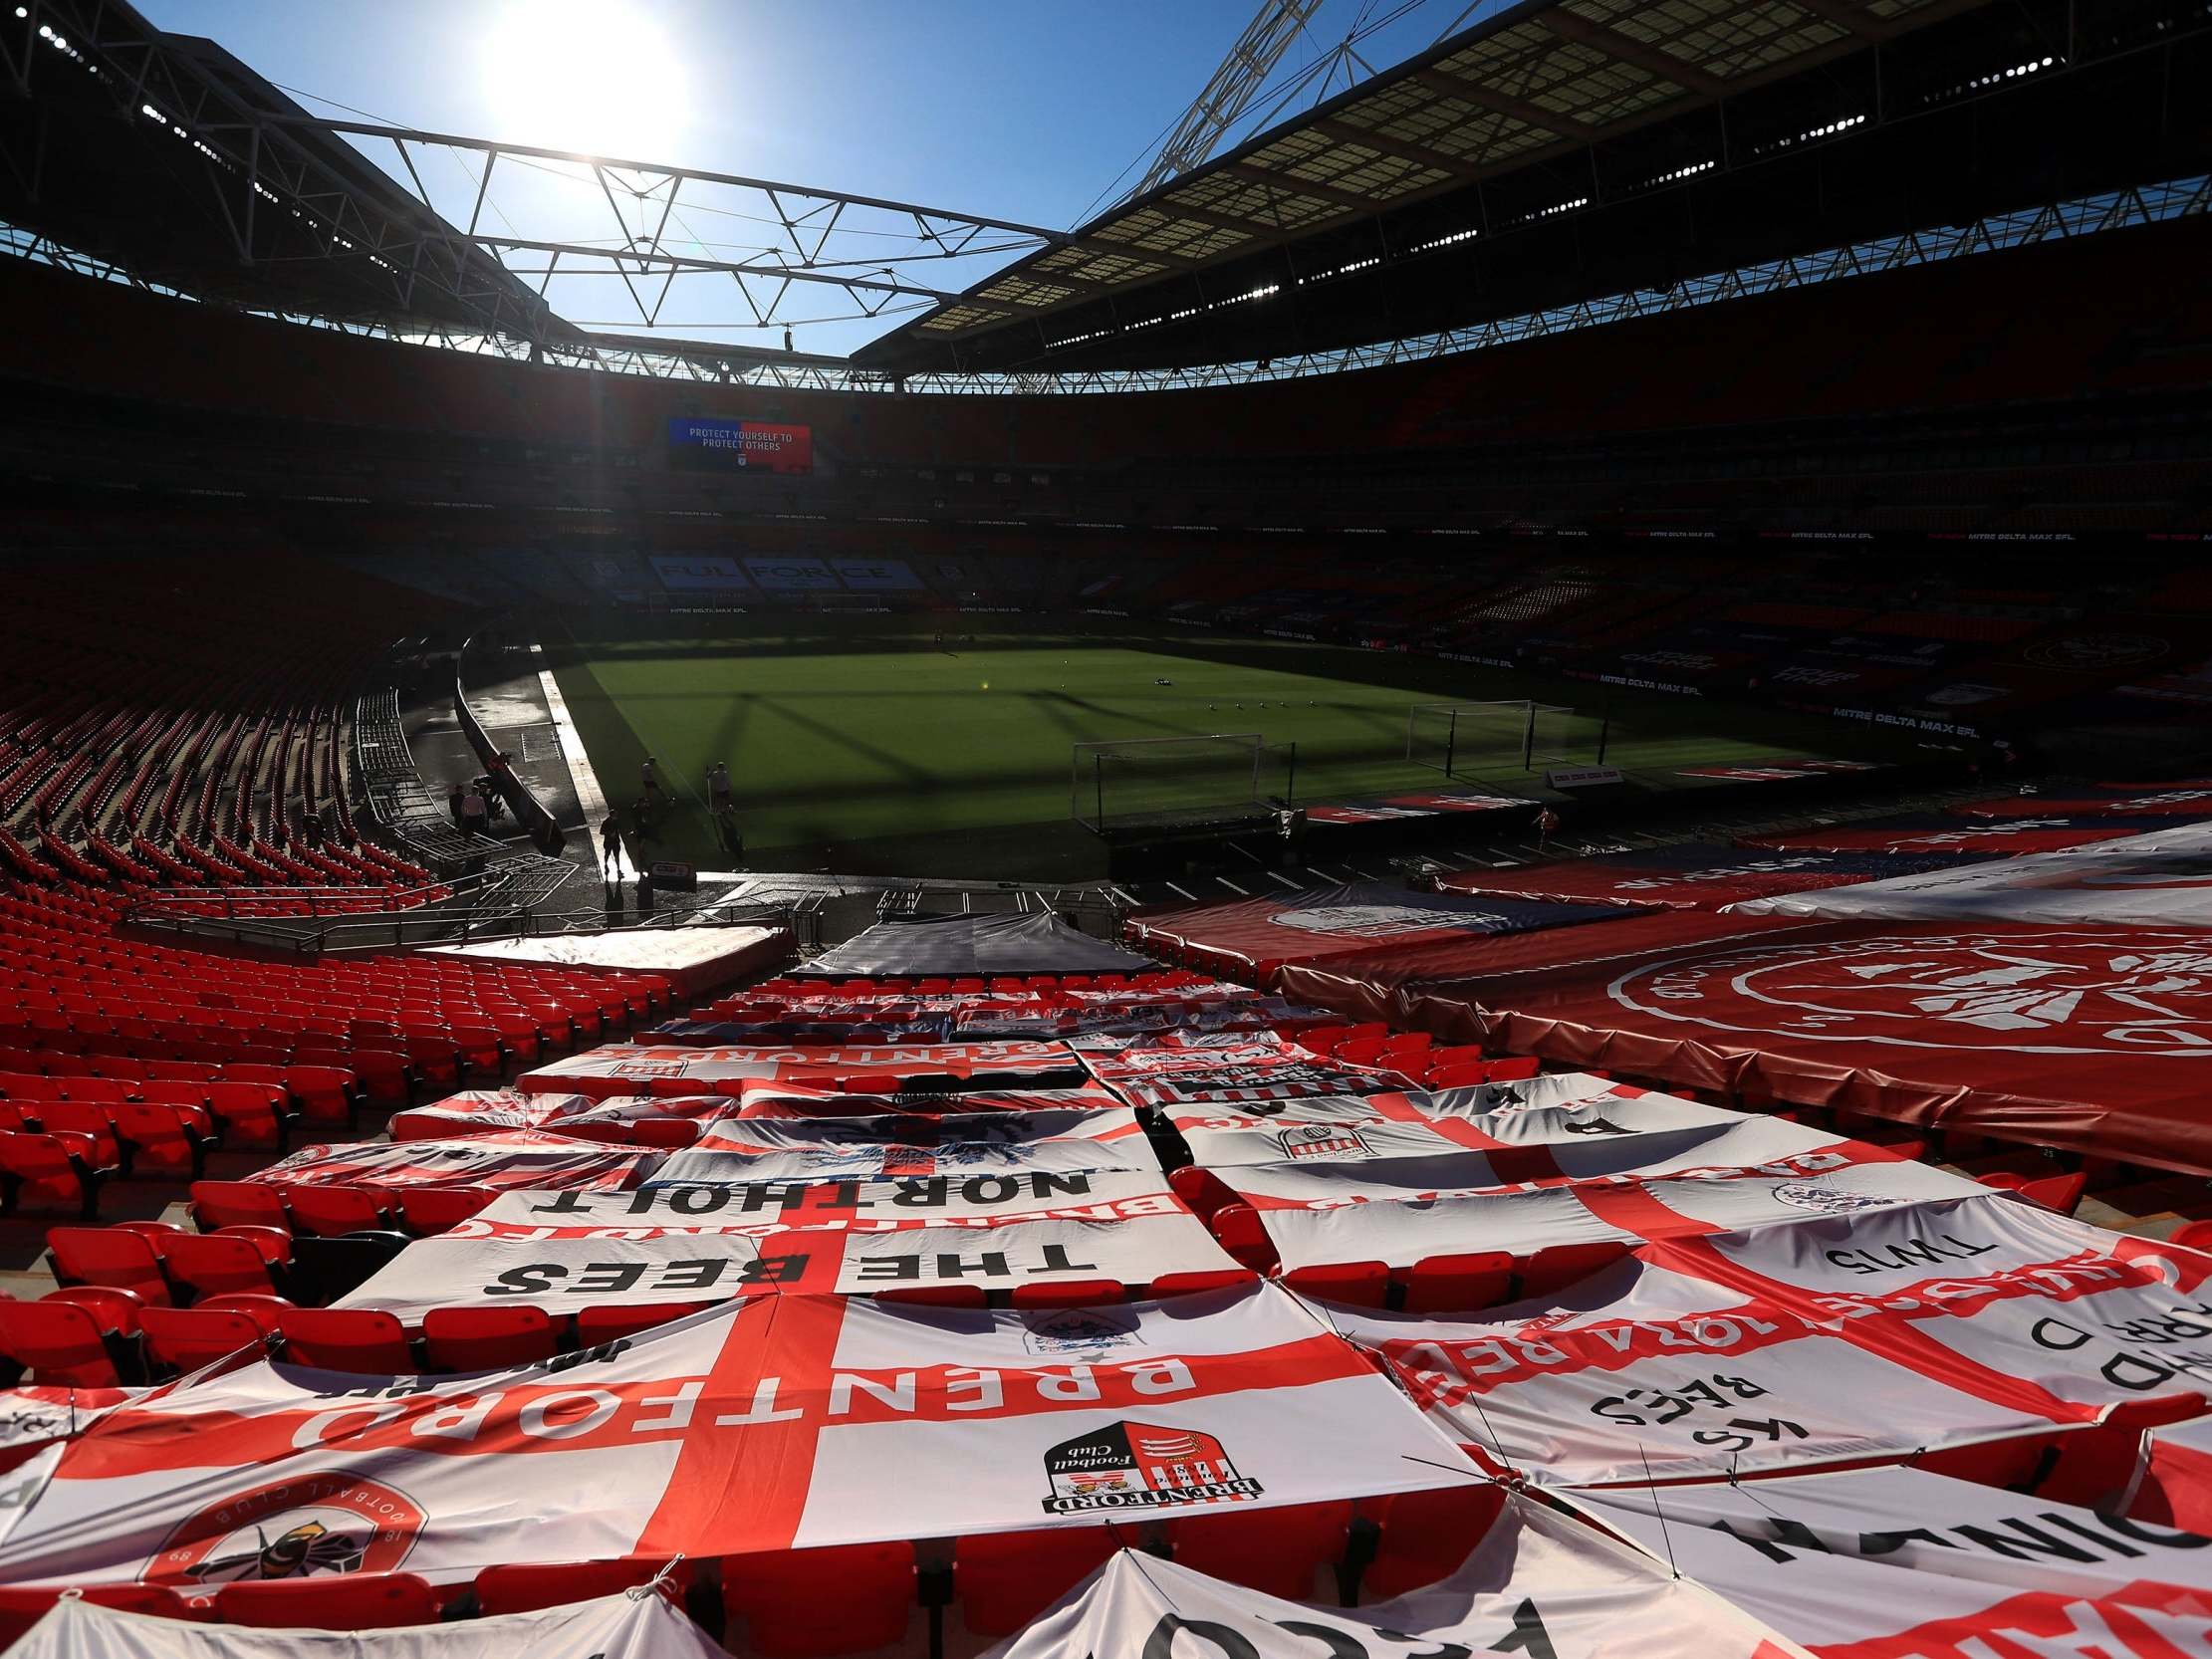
(869, 745)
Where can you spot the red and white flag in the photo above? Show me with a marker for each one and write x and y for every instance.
(881, 1145)
(581, 1116)
(561, 1275)
(1854, 1336)
(1536, 1583)
(629, 1070)
(1895, 1563)
(768, 1098)
(884, 1206)
(1620, 1168)
(837, 1420)
(526, 1159)
(1313, 1220)
(609, 1628)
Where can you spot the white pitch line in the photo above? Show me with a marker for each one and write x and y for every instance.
(580, 776)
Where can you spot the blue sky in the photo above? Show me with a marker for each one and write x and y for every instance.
(1020, 111)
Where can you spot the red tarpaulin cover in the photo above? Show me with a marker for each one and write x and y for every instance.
(2043, 832)
(2176, 802)
(2097, 1039)
(1695, 878)
(1251, 939)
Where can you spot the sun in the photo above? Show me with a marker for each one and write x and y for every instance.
(600, 77)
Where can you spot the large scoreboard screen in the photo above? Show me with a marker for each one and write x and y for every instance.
(698, 442)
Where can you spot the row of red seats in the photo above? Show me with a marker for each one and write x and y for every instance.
(849, 1598)
(93, 1336)
(329, 1210)
(125, 1326)
(326, 1094)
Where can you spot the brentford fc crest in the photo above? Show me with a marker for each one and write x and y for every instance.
(1325, 1141)
(647, 1068)
(298, 1528)
(1142, 1466)
(2057, 992)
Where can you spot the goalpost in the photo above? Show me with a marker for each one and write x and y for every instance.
(1165, 779)
(1466, 739)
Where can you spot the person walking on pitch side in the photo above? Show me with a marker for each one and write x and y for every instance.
(610, 845)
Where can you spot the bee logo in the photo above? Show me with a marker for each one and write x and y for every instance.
(308, 1549)
(306, 1527)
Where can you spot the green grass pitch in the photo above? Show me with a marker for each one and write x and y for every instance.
(862, 744)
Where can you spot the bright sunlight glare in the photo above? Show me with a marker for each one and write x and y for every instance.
(595, 76)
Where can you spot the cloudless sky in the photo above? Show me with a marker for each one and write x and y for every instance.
(1022, 109)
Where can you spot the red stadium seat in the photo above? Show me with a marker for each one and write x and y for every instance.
(122, 1258)
(1070, 1293)
(1352, 1284)
(264, 1310)
(1197, 1283)
(1451, 1284)
(2060, 1193)
(164, 1140)
(332, 1211)
(22, 1608)
(613, 1320)
(327, 1095)
(234, 1258)
(816, 1604)
(1005, 1580)
(330, 1601)
(91, 1121)
(49, 1172)
(1275, 1550)
(185, 1338)
(1425, 1535)
(1556, 1267)
(387, 1076)
(936, 1296)
(1238, 1230)
(525, 1588)
(1201, 1191)
(487, 1338)
(361, 1340)
(427, 1210)
(71, 1336)
(251, 1114)
(218, 1204)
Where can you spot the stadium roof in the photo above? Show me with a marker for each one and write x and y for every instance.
(1556, 154)
(1550, 110)
(116, 156)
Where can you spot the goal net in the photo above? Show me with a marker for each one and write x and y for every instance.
(1467, 740)
(1173, 780)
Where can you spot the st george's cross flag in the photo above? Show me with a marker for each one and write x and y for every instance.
(885, 1144)
(620, 1068)
(561, 1275)
(771, 1423)
(1859, 1335)
(501, 1158)
(644, 1626)
(897, 1204)
(1897, 1564)
(476, 1111)
(1536, 1583)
